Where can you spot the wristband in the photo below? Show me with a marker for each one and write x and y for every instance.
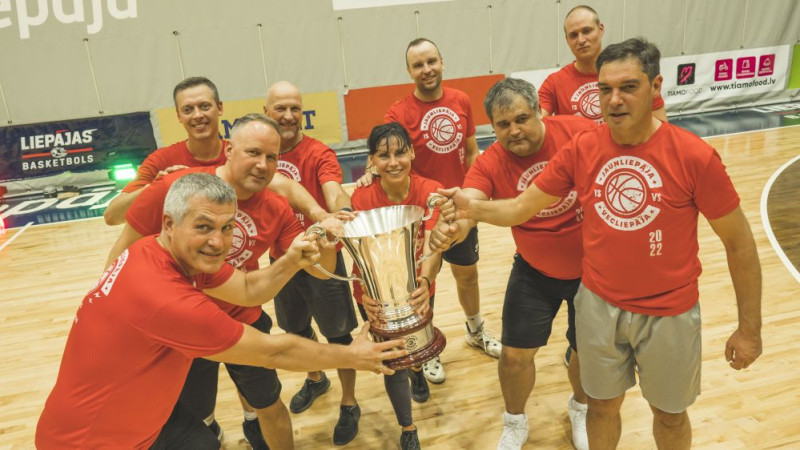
(347, 208)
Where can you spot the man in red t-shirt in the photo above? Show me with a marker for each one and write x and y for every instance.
(199, 108)
(136, 332)
(573, 89)
(442, 129)
(264, 222)
(314, 165)
(539, 280)
(642, 183)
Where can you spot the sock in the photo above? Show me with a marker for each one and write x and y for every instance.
(208, 420)
(574, 404)
(249, 415)
(474, 323)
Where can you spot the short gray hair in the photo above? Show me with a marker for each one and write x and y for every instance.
(243, 121)
(204, 185)
(502, 94)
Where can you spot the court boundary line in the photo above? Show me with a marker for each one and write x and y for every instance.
(15, 236)
(768, 227)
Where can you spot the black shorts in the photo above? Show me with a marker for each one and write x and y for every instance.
(185, 430)
(465, 253)
(532, 302)
(258, 385)
(329, 302)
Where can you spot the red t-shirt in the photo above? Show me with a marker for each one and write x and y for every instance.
(551, 240)
(641, 205)
(569, 92)
(128, 352)
(263, 221)
(373, 196)
(311, 164)
(439, 132)
(164, 157)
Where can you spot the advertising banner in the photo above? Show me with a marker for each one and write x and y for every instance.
(725, 74)
(321, 118)
(74, 145)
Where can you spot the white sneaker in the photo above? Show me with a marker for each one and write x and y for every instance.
(577, 416)
(515, 432)
(434, 371)
(483, 340)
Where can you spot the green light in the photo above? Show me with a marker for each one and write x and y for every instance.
(123, 172)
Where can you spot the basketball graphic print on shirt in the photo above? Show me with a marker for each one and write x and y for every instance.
(442, 130)
(557, 208)
(291, 172)
(628, 189)
(585, 102)
(244, 233)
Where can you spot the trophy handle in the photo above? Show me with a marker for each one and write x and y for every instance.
(320, 232)
(431, 203)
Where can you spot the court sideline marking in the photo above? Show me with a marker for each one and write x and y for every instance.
(16, 235)
(765, 219)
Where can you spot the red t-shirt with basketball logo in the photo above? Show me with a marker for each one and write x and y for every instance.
(164, 157)
(551, 240)
(439, 132)
(264, 221)
(372, 196)
(311, 164)
(569, 92)
(130, 347)
(641, 205)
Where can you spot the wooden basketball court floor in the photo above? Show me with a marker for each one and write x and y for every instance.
(46, 270)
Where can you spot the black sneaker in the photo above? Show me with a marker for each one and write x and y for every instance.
(308, 393)
(217, 430)
(346, 428)
(253, 436)
(409, 440)
(419, 386)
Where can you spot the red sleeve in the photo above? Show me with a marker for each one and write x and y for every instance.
(478, 176)
(390, 115)
(658, 102)
(146, 211)
(328, 168)
(290, 229)
(547, 97)
(557, 176)
(192, 324)
(217, 279)
(715, 195)
(146, 173)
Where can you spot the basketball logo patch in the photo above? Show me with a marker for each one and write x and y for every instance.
(244, 233)
(442, 129)
(559, 207)
(289, 170)
(585, 102)
(629, 192)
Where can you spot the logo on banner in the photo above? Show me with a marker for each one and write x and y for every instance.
(723, 70)
(766, 65)
(585, 102)
(561, 206)
(443, 130)
(26, 20)
(686, 74)
(628, 191)
(746, 67)
(244, 238)
(47, 151)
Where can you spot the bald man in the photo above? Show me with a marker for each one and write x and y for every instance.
(573, 89)
(314, 165)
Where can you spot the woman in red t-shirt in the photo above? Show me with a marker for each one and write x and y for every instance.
(391, 154)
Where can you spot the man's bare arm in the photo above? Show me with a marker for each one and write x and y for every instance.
(118, 206)
(125, 239)
(298, 197)
(503, 213)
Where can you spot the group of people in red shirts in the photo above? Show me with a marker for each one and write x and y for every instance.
(601, 193)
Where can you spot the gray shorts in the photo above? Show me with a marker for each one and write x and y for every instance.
(329, 302)
(666, 350)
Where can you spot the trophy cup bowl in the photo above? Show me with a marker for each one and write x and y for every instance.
(384, 243)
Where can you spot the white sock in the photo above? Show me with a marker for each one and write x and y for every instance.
(574, 404)
(516, 418)
(208, 420)
(474, 323)
(249, 415)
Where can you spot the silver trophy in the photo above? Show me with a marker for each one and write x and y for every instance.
(383, 243)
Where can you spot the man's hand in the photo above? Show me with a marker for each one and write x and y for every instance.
(304, 250)
(373, 309)
(420, 298)
(457, 205)
(365, 179)
(367, 355)
(169, 169)
(442, 236)
(742, 349)
(333, 230)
